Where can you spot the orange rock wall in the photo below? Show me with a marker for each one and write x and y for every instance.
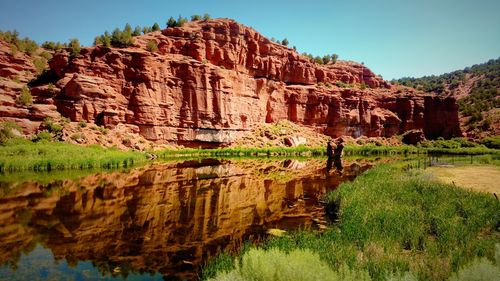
(211, 81)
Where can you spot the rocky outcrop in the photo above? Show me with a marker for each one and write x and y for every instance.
(211, 81)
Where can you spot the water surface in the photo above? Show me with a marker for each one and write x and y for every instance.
(160, 221)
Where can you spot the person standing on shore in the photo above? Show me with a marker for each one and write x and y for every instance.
(339, 148)
(329, 150)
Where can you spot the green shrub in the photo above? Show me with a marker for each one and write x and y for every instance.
(152, 46)
(195, 17)
(77, 137)
(46, 55)
(492, 142)
(82, 124)
(53, 127)
(285, 42)
(206, 17)
(341, 84)
(480, 269)
(30, 46)
(40, 65)
(13, 50)
(6, 131)
(25, 98)
(43, 136)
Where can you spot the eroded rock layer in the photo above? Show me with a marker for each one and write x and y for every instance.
(210, 81)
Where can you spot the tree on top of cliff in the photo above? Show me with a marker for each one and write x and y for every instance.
(74, 45)
(137, 31)
(54, 46)
(334, 58)
(171, 22)
(181, 21)
(195, 17)
(122, 38)
(285, 42)
(156, 27)
(206, 17)
(330, 58)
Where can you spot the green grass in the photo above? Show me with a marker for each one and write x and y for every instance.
(319, 151)
(399, 224)
(48, 156)
(293, 151)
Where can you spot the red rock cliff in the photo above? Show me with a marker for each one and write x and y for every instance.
(210, 81)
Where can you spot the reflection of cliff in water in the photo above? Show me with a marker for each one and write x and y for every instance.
(168, 217)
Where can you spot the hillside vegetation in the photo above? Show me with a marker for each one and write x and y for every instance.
(476, 88)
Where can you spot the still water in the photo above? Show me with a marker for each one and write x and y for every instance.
(161, 221)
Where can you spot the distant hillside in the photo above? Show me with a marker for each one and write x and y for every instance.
(477, 89)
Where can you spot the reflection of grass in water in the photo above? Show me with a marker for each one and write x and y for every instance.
(298, 264)
(10, 182)
(394, 222)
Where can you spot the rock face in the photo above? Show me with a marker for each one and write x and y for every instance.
(210, 81)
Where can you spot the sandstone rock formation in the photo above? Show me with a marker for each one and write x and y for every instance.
(210, 81)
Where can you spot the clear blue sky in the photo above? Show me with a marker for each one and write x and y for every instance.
(394, 38)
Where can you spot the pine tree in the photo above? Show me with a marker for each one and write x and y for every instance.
(334, 58)
(137, 31)
(195, 17)
(74, 44)
(155, 27)
(171, 22)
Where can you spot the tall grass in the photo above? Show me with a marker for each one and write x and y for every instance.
(48, 156)
(400, 225)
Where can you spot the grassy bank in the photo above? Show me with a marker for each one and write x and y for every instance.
(306, 150)
(289, 151)
(20, 155)
(392, 224)
(24, 155)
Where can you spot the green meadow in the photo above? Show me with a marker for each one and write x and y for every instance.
(393, 223)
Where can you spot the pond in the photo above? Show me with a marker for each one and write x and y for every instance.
(165, 220)
(161, 221)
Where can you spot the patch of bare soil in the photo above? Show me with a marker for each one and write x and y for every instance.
(484, 178)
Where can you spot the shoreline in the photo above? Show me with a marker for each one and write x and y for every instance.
(24, 155)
